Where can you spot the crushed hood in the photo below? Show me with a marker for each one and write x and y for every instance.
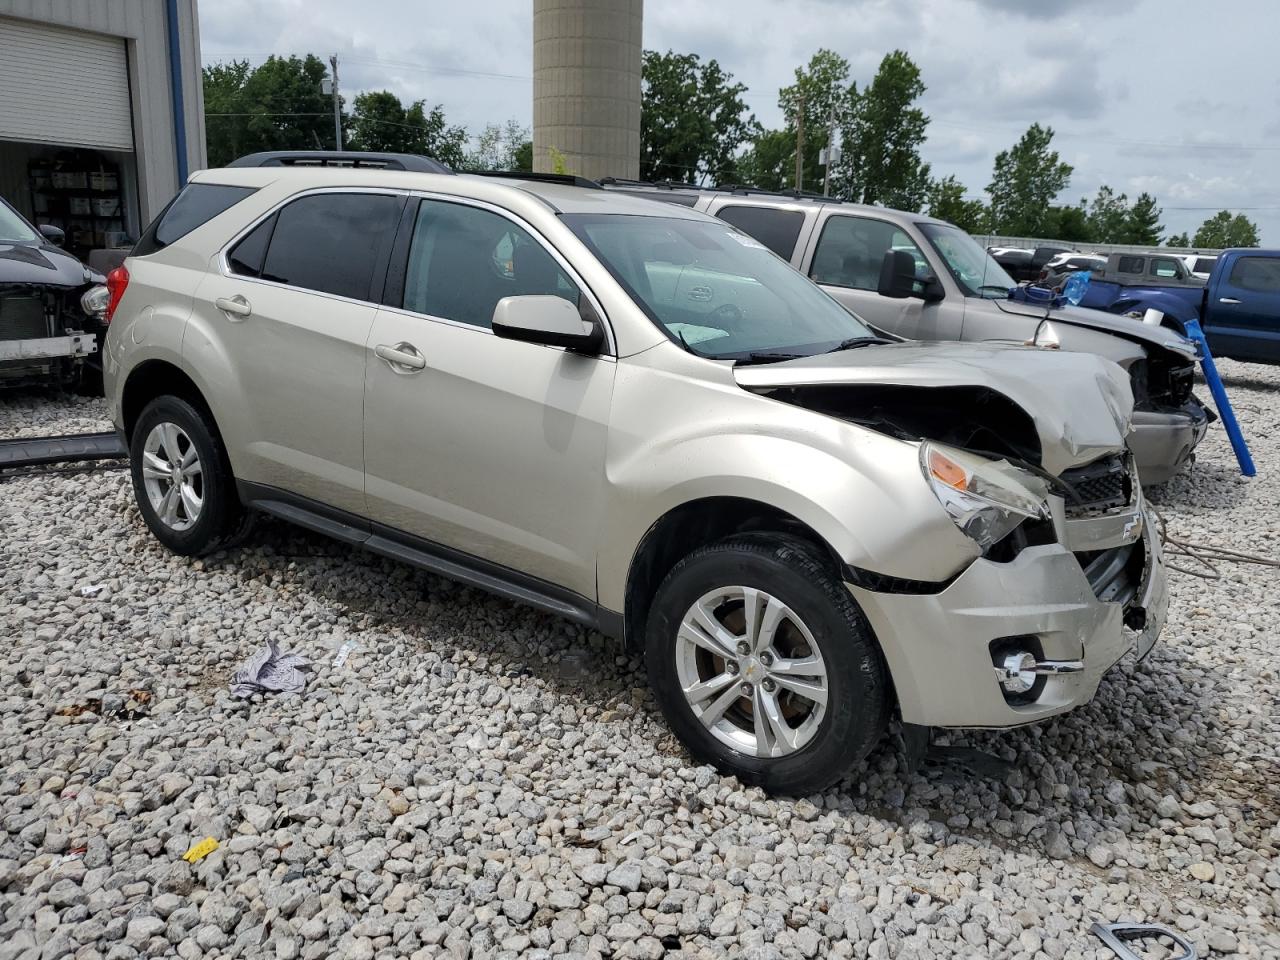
(42, 265)
(1080, 403)
(1127, 327)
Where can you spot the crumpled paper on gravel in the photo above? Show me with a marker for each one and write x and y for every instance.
(270, 671)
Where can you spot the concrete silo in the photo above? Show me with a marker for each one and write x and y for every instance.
(586, 85)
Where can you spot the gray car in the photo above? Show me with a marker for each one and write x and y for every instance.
(634, 416)
(958, 292)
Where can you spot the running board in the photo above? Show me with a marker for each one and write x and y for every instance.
(444, 561)
(41, 451)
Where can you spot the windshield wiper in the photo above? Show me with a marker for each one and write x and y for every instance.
(765, 357)
(994, 286)
(854, 342)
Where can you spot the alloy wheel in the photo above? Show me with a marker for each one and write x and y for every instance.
(751, 671)
(173, 476)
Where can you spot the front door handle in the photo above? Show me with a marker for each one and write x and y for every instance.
(236, 306)
(403, 357)
(1228, 300)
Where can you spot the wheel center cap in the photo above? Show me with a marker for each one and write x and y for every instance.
(177, 475)
(751, 668)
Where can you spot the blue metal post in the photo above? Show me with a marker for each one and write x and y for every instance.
(175, 90)
(1220, 400)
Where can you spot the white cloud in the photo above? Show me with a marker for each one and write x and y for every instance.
(1135, 97)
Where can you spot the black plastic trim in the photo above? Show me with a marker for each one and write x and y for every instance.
(437, 558)
(71, 448)
(883, 583)
(568, 179)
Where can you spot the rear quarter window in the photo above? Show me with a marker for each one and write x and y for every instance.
(776, 229)
(194, 206)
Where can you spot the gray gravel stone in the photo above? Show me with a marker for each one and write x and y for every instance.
(389, 812)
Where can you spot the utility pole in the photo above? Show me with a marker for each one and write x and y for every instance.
(831, 152)
(799, 142)
(337, 104)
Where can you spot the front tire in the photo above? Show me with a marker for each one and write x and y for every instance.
(182, 478)
(764, 666)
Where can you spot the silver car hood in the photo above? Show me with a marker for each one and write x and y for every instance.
(1128, 327)
(1081, 403)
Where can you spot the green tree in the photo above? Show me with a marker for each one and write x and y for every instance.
(274, 106)
(1142, 225)
(1223, 230)
(824, 98)
(692, 119)
(1109, 216)
(882, 138)
(498, 148)
(1024, 183)
(523, 156)
(1069, 223)
(380, 122)
(770, 162)
(947, 202)
(1179, 240)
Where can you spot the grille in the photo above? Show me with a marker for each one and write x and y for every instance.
(1099, 486)
(22, 318)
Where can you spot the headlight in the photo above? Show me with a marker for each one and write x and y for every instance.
(94, 301)
(985, 498)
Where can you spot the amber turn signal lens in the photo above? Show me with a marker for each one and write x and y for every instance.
(948, 471)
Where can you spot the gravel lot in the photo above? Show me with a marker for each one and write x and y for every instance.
(480, 779)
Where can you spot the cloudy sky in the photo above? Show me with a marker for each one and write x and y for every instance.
(1177, 97)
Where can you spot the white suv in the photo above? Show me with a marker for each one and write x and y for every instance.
(634, 416)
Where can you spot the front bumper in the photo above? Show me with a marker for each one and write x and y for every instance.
(1163, 441)
(938, 647)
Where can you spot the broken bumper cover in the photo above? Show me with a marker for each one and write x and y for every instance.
(1163, 441)
(939, 646)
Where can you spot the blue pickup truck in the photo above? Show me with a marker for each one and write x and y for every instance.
(1238, 306)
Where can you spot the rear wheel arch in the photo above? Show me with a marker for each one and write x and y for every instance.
(151, 379)
(698, 523)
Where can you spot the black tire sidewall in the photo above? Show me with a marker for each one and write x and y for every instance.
(857, 686)
(219, 496)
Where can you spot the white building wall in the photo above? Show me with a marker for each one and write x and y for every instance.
(142, 24)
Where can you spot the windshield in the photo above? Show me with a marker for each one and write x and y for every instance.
(972, 267)
(720, 292)
(13, 229)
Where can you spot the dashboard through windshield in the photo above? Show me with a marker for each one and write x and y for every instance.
(716, 290)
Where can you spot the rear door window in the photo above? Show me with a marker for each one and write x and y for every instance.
(331, 242)
(776, 229)
(196, 205)
(1260, 274)
(1136, 265)
(851, 251)
(246, 257)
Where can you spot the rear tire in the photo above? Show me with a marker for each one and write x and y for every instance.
(813, 694)
(182, 479)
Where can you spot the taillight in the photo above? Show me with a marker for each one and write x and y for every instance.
(117, 281)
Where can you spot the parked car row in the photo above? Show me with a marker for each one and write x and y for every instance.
(802, 504)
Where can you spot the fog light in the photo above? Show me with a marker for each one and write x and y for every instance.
(1017, 672)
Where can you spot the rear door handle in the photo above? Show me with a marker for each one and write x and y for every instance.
(237, 306)
(1228, 300)
(403, 357)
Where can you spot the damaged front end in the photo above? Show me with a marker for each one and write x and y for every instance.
(1028, 459)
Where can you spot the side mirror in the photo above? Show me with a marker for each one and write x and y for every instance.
(898, 278)
(54, 235)
(549, 320)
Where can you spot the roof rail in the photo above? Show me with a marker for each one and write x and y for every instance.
(790, 194)
(656, 184)
(410, 162)
(568, 179)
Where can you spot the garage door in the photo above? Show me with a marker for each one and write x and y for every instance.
(63, 86)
